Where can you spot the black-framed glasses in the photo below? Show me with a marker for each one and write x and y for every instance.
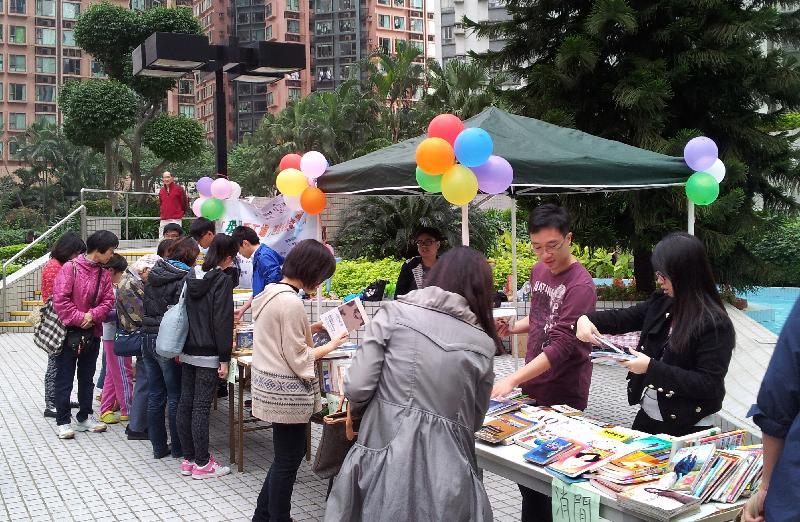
(425, 242)
(549, 247)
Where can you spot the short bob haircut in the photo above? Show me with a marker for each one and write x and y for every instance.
(222, 246)
(163, 248)
(430, 231)
(185, 250)
(549, 216)
(200, 227)
(101, 241)
(117, 263)
(309, 262)
(173, 227)
(68, 246)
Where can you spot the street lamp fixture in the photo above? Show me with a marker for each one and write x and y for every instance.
(173, 55)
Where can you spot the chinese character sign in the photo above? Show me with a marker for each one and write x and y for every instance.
(573, 504)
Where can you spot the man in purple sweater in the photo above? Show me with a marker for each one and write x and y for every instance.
(558, 369)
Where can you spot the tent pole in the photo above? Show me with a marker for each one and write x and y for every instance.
(465, 225)
(514, 275)
(691, 217)
(319, 289)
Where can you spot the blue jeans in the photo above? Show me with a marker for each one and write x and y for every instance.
(164, 389)
(275, 500)
(102, 377)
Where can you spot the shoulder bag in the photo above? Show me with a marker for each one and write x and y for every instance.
(49, 332)
(174, 329)
(127, 344)
(338, 436)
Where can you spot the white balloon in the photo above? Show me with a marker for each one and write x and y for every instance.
(293, 203)
(717, 170)
(236, 191)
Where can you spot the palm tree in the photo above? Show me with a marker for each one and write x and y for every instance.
(461, 87)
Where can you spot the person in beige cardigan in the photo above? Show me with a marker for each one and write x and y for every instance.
(284, 385)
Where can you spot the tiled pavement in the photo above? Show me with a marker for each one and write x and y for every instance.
(106, 477)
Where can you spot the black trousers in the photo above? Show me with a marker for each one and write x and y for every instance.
(198, 386)
(67, 364)
(643, 422)
(275, 500)
(536, 507)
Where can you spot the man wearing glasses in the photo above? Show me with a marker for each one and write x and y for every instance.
(558, 369)
(413, 273)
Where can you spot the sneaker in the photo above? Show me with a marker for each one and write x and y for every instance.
(109, 417)
(65, 432)
(187, 468)
(90, 424)
(210, 470)
(50, 412)
(124, 418)
(136, 435)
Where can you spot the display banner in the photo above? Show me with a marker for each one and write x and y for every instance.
(277, 226)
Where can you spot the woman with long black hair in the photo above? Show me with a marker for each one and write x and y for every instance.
(686, 343)
(422, 379)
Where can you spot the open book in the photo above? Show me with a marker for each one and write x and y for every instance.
(608, 350)
(346, 317)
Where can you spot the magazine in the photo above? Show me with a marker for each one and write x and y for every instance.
(345, 318)
(634, 465)
(660, 504)
(689, 463)
(595, 454)
(608, 350)
(653, 445)
(547, 451)
(500, 430)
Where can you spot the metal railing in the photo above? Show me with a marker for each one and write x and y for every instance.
(126, 218)
(81, 209)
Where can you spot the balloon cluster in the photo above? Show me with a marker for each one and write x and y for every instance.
(702, 156)
(297, 181)
(477, 168)
(213, 192)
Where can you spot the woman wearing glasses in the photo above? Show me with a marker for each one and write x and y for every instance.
(686, 343)
(415, 270)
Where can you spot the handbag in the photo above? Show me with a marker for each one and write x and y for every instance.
(49, 333)
(127, 344)
(80, 339)
(174, 329)
(335, 442)
(374, 292)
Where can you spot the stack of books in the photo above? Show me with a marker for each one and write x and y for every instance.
(634, 468)
(504, 428)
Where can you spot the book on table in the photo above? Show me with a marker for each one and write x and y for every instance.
(545, 452)
(502, 429)
(595, 454)
(656, 503)
(689, 463)
(345, 318)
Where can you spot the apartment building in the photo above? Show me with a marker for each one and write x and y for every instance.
(38, 55)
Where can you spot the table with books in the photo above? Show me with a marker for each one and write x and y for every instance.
(615, 473)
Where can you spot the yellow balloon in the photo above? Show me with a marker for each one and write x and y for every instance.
(291, 182)
(459, 185)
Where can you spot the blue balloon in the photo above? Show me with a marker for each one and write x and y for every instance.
(473, 147)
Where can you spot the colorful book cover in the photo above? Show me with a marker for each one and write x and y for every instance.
(653, 445)
(618, 433)
(635, 464)
(688, 463)
(504, 427)
(595, 454)
(546, 452)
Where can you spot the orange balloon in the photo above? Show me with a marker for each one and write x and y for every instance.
(435, 156)
(313, 200)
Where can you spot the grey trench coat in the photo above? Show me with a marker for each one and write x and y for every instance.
(422, 379)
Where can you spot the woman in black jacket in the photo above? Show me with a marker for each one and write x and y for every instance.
(686, 344)
(209, 307)
(162, 290)
(414, 271)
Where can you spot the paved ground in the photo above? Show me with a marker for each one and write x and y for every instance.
(106, 477)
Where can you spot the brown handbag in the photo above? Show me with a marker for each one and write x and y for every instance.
(338, 436)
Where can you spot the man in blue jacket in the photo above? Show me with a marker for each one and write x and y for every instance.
(777, 413)
(266, 262)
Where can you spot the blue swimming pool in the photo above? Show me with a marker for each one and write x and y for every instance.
(770, 306)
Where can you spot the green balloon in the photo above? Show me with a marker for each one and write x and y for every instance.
(702, 188)
(212, 209)
(428, 183)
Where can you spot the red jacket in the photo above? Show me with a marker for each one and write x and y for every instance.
(173, 201)
(72, 298)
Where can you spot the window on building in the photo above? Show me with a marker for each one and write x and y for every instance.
(268, 33)
(17, 63)
(400, 23)
(17, 92)
(257, 17)
(185, 87)
(417, 45)
(447, 33)
(416, 25)
(45, 36)
(17, 121)
(384, 21)
(383, 2)
(416, 4)
(97, 70)
(1, 62)
(45, 93)
(13, 146)
(259, 89)
(2, 156)
(186, 110)
(242, 3)
(323, 6)
(293, 26)
(1, 30)
(1, 99)
(206, 5)
(324, 51)
(245, 106)
(294, 93)
(347, 48)
(293, 5)
(244, 88)
(243, 18)
(399, 45)
(243, 34)
(399, 3)
(268, 9)
(72, 66)
(17, 6)
(260, 106)
(45, 8)
(16, 34)
(70, 11)
(323, 28)
(258, 35)
(324, 74)
(385, 45)
(347, 5)
(47, 118)
(245, 125)
(68, 38)
(270, 99)
(347, 25)
(46, 64)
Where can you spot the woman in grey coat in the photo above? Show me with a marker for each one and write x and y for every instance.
(422, 380)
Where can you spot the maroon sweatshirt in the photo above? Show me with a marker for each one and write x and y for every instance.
(173, 201)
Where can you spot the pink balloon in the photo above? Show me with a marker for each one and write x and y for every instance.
(313, 164)
(197, 204)
(494, 176)
(204, 186)
(221, 188)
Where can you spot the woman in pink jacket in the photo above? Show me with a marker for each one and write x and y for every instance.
(82, 298)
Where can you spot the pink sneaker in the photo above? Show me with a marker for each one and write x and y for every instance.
(187, 468)
(210, 470)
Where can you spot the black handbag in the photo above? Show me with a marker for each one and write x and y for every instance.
(80, 340)
(375, 291)
(128, 344)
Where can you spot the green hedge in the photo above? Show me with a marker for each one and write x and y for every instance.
(778, 246)
(354, 276)
(38, 250)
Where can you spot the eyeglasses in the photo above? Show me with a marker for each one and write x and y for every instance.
(426, 242)
(549, 248)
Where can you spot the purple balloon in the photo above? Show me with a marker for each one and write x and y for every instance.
(494, 176)
(700, 153)
(204, 186)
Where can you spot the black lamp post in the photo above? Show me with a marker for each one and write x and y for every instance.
(173, 55)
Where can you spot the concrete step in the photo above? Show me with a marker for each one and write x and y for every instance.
(20, 313)
(14, 324)
(33, 302)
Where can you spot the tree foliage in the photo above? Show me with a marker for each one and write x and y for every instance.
(97, 110)
(655, 74)
(461, 87)
(174, 138)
